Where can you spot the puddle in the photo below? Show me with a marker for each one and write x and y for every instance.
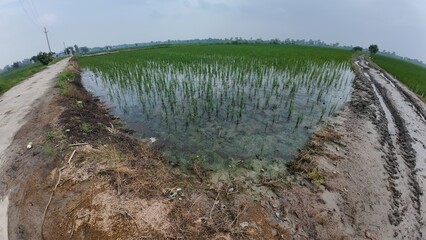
(387, 80)
(388, 115)
(418, 112)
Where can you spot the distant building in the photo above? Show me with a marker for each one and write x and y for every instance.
(59, 54)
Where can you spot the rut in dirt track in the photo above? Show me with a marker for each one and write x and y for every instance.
(402, 126)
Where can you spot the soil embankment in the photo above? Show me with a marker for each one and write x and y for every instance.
(361, 177)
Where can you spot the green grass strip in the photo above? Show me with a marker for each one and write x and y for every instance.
(412, 75)
(13, 77)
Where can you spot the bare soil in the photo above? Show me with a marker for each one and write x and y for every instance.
(361, 177)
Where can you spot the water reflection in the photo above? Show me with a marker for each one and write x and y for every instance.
(223, 114)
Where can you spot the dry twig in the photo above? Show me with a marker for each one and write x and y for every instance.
(53, 192)
(134, 220)
(192, 205)
(50, 200)
(239, 212)
(214, 203)
(78, 144)
(72, 155)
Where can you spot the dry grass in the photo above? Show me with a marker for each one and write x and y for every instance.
(142, 175)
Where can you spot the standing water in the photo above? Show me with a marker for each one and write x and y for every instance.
(223, 113)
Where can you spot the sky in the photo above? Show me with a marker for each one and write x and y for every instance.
(394, 25)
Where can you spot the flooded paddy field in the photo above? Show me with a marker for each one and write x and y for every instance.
(222, 106)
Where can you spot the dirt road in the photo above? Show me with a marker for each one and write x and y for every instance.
(376, 188)
(15, 105)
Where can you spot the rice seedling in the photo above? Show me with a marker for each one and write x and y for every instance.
(239, 89)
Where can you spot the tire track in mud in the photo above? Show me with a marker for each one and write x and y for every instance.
(391, 164)
(382, 124)
(407, 96)
(404, 141)
(398, 149)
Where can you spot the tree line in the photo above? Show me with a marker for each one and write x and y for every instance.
(46, 58)
(373, 49)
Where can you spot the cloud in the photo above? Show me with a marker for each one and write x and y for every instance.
(48, 19)
(5, 3)
(396, 25)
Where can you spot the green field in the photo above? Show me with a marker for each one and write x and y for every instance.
(217, 104)
(11, 78)
(412, 75)
(282, 54)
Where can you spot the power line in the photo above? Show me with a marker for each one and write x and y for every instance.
(34, 11)
(26, 12)
(34, 17)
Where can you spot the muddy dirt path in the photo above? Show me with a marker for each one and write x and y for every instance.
(406, 152)
(15, 105)
(376, 189)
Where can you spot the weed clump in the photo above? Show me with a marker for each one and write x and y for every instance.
(86, 128)
(316, 177)
(64, 82)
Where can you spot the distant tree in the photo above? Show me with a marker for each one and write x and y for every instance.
(6, 68)
(357, 49)
(275, 41)
(44, 58)
(16, 65)
(84, 49)
(25, 62)
(77, 49)
(34, 59)
(373, 48)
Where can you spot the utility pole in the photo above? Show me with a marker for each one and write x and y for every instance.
(47, 38)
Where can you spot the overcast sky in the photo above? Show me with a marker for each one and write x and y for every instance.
(395, 25)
